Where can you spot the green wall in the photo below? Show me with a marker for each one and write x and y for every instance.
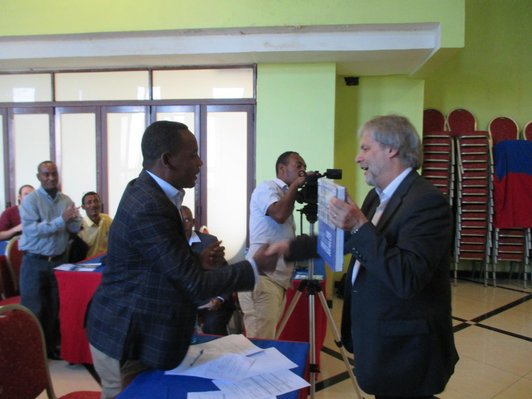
(295, 111)
(492, 75)
(37, 17)
(357, 104)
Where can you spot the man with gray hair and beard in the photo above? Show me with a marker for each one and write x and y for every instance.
(397, 303)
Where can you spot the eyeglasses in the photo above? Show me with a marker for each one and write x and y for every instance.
(188, 220)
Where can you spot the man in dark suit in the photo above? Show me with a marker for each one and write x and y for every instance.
(397, 304)
(213, 315)
(143, 313)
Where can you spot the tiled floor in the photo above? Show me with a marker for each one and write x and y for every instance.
(493, 333)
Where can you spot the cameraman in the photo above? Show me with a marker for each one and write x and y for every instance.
(271, 220)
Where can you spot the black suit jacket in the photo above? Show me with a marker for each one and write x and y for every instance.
(396, 318)
(145, 307)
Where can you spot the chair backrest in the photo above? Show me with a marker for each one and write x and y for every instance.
(503, 128)
(527, 131)
(23, 364)
(439, 162)
(2, 288)
(5, 298)
(14, 261)
(433, 121)
(461, 121)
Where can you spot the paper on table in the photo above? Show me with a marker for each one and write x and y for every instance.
(214, 395)
(268, 361)
(206, 395)
(263, 386)
(234, 343)
(232, 367)
(85, 267)
(198, 359)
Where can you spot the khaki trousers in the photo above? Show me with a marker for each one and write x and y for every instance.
(262, 308)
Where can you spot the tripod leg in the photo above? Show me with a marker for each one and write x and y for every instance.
(339, 343)
(314, 369)
(287, 314)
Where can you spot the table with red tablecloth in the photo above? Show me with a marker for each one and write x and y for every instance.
(76, 289)
(297, 327)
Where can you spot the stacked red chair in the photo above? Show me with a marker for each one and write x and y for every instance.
(460, 122)
(503, 128)
(527, 131)
(439, 161)
(438, 153)
(474, 204)
(433, 121)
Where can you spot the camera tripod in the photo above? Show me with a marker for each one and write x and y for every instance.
(313, 287)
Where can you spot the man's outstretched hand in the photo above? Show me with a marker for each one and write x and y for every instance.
(266, 263)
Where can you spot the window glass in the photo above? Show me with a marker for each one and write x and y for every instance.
(78, 154)
(91, 86)
(227, 158)
(203, 83)
(124, 135)
(31, 144)
(25, 88)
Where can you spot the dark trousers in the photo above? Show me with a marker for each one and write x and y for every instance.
(38, 292)
(215, 321)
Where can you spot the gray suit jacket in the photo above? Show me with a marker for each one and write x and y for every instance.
(145, 307)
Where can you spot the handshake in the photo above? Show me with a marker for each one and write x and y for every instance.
(267, 255)
(301, 248)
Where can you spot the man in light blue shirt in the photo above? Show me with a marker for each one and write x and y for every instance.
(48, 217)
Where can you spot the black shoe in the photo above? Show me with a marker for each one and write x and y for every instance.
(54, 355)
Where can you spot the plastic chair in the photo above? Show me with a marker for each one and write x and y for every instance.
(527, 131)
(23, 363)
(503, 128)
(461, 121)
(14, 261)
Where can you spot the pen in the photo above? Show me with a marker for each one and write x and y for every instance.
(196, 358)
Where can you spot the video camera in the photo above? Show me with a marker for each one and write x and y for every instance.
(308, 193)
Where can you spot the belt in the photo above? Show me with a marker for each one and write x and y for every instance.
(52, 258)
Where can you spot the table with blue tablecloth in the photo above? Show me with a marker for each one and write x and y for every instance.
(155, 384)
